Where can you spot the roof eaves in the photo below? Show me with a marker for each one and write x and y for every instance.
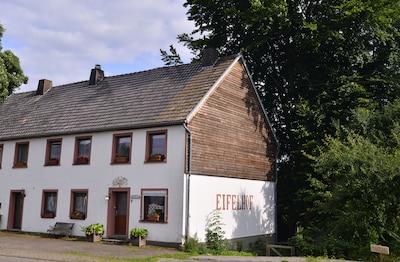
(94, 130)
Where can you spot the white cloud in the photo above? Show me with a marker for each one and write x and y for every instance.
(62, 40)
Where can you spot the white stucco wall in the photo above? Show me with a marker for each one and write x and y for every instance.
(97, 178)
(254, 217)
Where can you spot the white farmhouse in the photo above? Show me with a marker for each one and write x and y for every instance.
(178, 141)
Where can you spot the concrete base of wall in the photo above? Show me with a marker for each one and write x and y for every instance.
(244, 243)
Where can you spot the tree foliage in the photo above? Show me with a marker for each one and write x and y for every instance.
(313, 62)
(356, 188)
(171, 59)
(11, 74)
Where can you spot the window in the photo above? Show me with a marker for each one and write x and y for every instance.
(21, 154)
(49, 203)
(53, 152)
(156, 149)
(79, 198)
(121, 152)
(155, 205)
(1, 154)
(82, 150)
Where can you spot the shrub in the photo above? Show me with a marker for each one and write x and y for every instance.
(214, 233)
(139, 232)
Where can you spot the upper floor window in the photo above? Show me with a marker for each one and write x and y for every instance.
(121, 151)
(78, 208)
(82, 150)
(156, 148)
(1, 154)
(53, 152)
(154, 205)
(21, 154)
(49, 203)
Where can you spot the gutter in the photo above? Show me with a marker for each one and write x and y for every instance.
(188, 173)
(91, 130)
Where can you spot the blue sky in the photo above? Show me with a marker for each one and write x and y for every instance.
(62, 40)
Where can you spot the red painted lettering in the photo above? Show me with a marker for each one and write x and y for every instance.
(218, 202)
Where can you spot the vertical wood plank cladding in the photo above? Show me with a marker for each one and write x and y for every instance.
(231, 137)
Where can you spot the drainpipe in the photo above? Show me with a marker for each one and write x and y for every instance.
(278, 148)
(189, 170)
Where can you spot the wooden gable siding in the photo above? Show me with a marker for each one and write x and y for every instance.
(230, 135)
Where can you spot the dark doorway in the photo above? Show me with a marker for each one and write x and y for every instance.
(16, 208)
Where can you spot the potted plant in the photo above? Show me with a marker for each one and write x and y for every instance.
(82, 159)
(153, 216)
(121, 159)
(54, 160)
(48, 214)
(94, 232)
(77, 214)
(156, 157)
(138, 236)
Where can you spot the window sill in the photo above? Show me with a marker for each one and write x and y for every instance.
(120, 160)
(20, 165)
(52, 162)
(153, 221)
(48, 216)
(155, 161)
(82, 217)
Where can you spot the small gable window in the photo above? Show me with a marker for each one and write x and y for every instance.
(82, 150)
(53, 152)
(156, 148)
(121, 152)
(21, 154)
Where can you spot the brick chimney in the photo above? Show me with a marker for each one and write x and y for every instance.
(210, 56)
(43, 86)
(96, 75)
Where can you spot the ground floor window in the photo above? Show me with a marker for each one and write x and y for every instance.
(155, 205)
(78, 209)
(49, 203)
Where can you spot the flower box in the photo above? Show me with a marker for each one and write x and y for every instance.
(153, 218)
(20, 164)
(77, 216)
(93, 238)
(48, 215)
(121, 159)
(138, 241)
(81, 160)
(156, 157)
(52, 162)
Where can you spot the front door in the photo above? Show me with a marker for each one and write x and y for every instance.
(16, 209)
(120, 213)
(118, 210)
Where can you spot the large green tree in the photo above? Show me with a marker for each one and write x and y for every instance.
(313, 62)
(11, 74)
(356, 195)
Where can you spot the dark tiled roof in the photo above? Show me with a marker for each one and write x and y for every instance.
(161, 96)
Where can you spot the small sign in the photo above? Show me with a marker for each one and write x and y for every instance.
(380, 249)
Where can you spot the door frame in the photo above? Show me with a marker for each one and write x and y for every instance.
(12, 208)
(110, 231)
